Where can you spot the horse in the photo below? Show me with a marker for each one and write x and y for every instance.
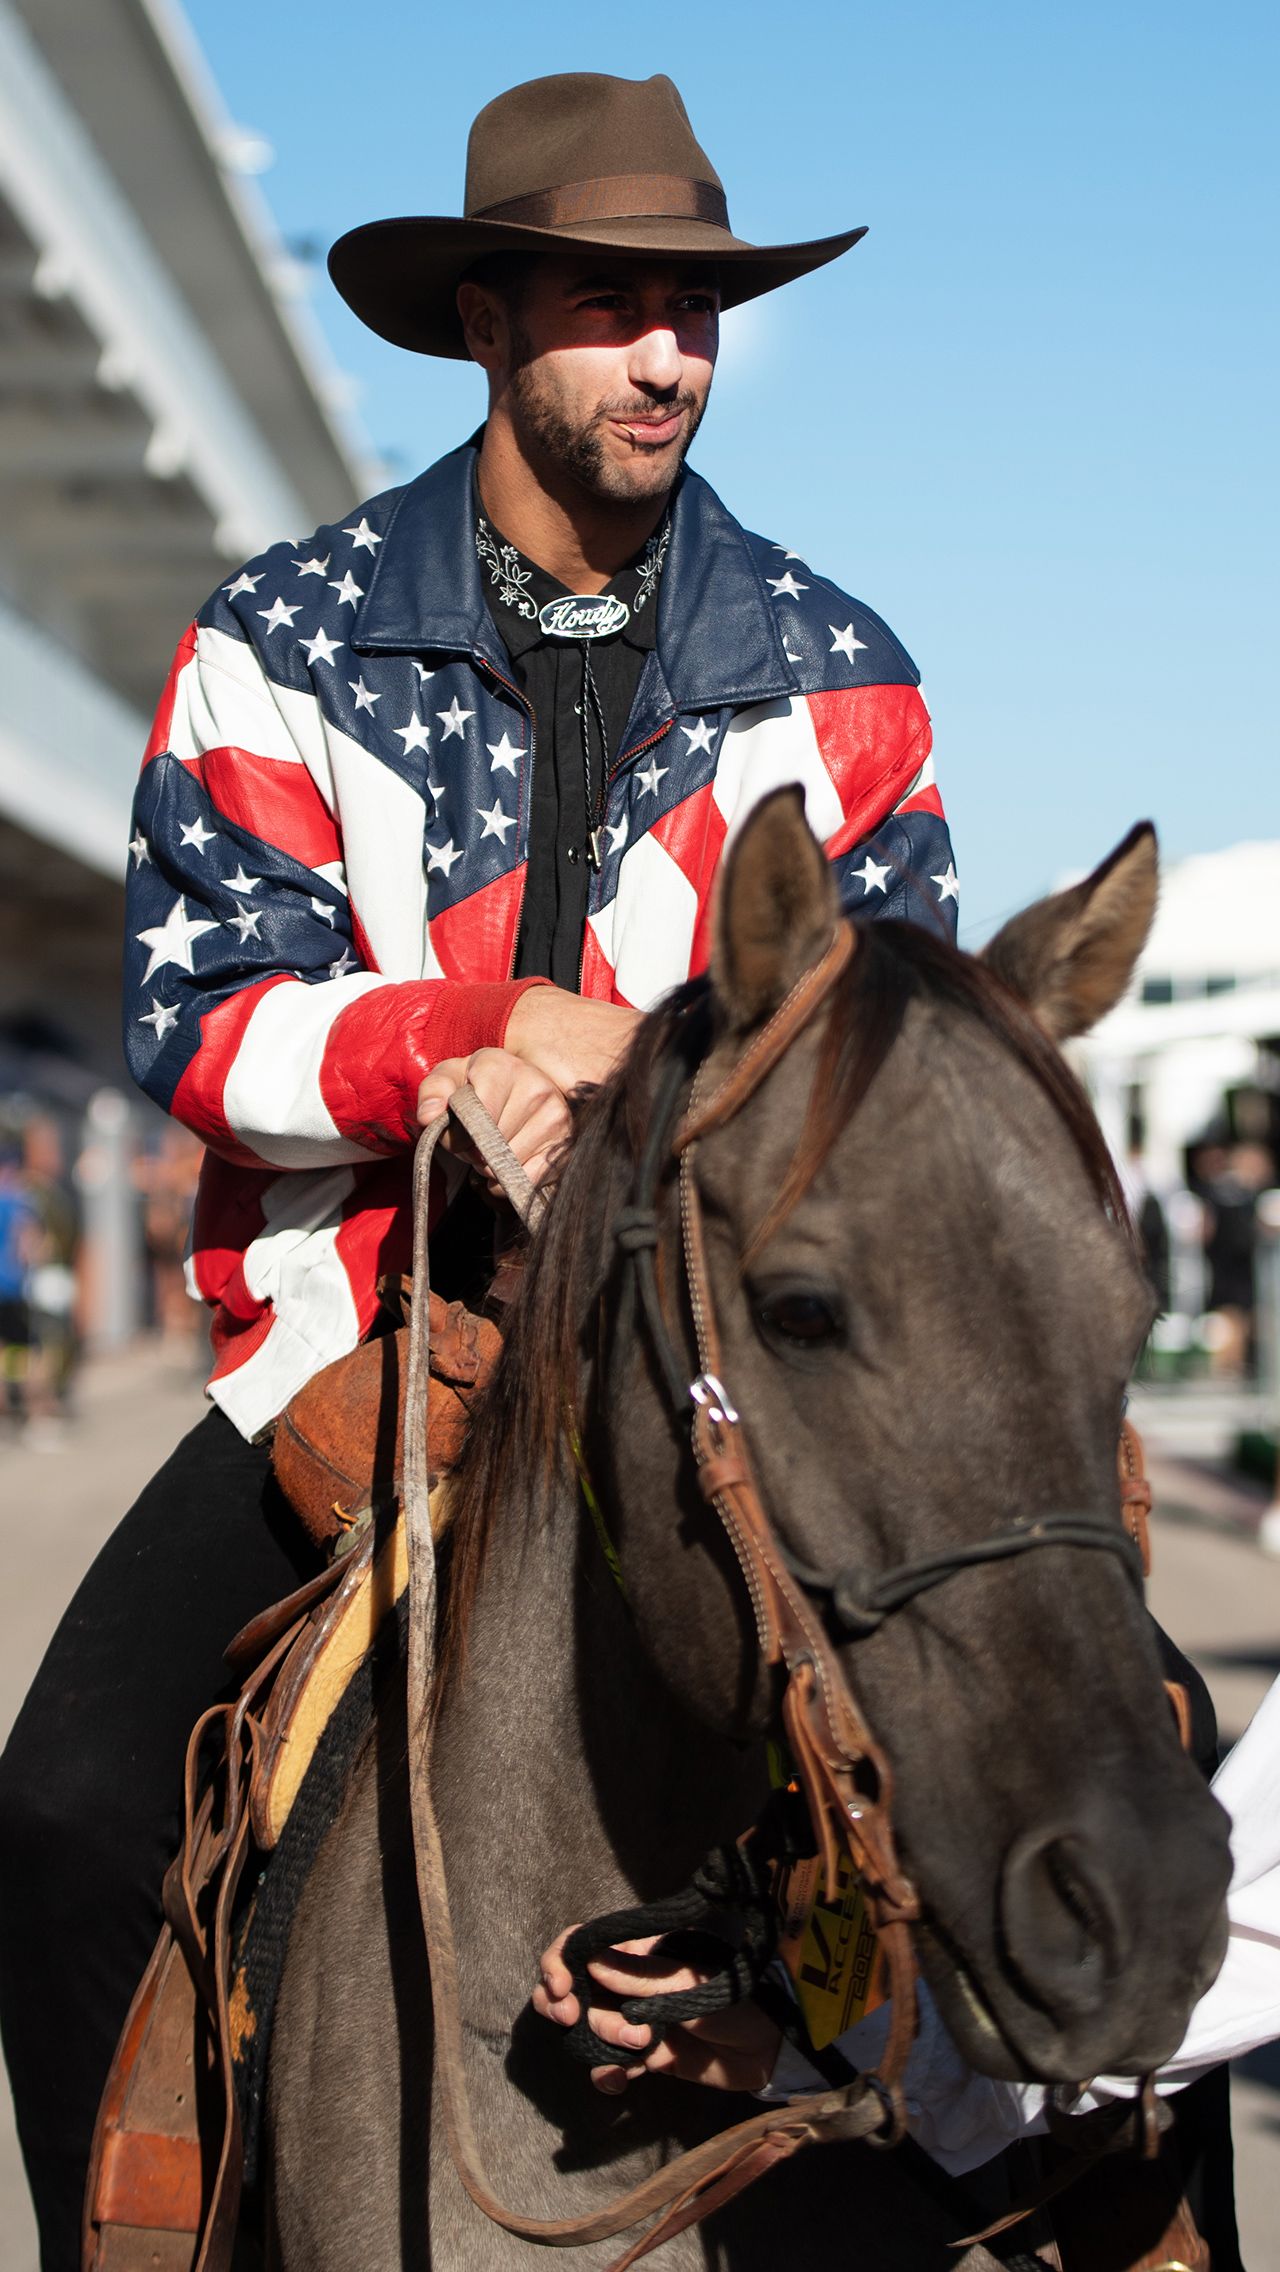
(930, 1304)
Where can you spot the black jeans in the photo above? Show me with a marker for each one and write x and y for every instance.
(91, 1781)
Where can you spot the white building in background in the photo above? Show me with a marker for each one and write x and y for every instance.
(1202, 1019)
(1192, 1051)
(166, 408)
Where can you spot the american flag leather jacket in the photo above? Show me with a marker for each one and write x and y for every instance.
(328, 859)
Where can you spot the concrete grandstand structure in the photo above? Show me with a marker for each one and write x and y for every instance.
(166, 408)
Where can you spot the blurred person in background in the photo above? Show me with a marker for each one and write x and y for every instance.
(167, 1177)
(1152, 1224)
(1228, 1180)
(52, 1282)
(18, 1223)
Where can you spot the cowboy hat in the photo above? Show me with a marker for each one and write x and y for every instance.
(580, 163)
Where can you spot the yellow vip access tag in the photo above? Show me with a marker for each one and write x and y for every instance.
(830, 1948)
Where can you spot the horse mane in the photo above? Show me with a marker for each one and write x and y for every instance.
(532, 1408)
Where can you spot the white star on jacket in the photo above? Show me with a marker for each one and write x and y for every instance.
(172, 940)
(161, 1016)
(321, 648)
(786, 587)
(415, 735)
(345, 962)
(362, 534)
(197, 835)
(844, 643)
(873, 876)
(364, 699)
(140, 849)
(313, 567)
(442, 856)
(244, 583)
(348, 590)
(504, 756)
(454, 719)
(701, 736)
(278, 613)
(241, 882)
(326, 913)
(246, 922)
(496, 822)
(948, 885)
(651, 776)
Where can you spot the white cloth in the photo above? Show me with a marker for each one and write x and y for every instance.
(964, 2119)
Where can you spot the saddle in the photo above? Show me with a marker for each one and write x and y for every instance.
(338, 1448)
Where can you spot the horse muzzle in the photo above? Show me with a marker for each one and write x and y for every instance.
(1096, 1959)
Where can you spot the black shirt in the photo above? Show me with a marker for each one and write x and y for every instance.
(572, 686)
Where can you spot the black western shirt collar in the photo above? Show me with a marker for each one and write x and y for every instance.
(516, 590)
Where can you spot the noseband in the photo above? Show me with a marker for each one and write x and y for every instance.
(798, 1608)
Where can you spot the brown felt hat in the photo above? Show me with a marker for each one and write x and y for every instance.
(578, 162)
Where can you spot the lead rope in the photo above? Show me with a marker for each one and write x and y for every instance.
(699, 2181)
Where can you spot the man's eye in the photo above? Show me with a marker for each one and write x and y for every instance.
(800, 1318)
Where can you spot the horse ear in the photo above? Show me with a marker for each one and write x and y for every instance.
(775, 909)
(1071, 957)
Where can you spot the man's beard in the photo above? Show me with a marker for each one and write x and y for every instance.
(579, 449)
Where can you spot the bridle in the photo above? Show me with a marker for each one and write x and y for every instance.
(843, 1774)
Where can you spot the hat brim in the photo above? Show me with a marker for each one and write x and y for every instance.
(400, 277)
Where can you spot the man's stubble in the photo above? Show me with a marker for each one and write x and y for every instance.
(578, 448)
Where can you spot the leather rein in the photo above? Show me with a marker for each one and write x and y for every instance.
(842, 1772)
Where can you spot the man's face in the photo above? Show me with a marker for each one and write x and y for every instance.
(609, 368)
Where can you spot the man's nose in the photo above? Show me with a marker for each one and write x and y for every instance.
(655, 359)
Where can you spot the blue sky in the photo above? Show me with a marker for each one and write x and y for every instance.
(1030, 419)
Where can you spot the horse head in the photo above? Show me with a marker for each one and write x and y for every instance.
(929, 1305)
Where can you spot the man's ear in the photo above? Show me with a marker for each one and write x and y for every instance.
(479, 316)
(775, 910)
(1071, 957)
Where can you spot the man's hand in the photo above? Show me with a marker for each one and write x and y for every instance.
(569, 1039)
(732, 2050)
(529, 1107)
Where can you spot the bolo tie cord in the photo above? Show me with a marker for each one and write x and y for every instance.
(590, 708)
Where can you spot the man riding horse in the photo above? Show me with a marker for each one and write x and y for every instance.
(436, 795)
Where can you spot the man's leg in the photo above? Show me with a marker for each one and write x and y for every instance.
(90, 1784)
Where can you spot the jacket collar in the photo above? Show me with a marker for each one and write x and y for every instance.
(718, 640)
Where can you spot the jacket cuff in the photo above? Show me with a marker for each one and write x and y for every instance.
(467, 1018)
(383, 1044)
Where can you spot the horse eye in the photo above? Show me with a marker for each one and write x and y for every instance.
(800, 1317)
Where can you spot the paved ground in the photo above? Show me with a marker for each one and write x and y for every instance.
(1212, 1587)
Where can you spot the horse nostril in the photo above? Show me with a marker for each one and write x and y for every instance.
(1061, 1924)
